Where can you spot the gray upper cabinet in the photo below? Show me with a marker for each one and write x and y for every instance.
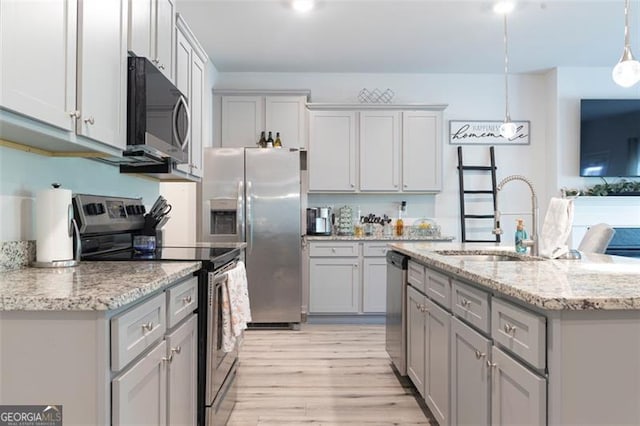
(151, 32)
(389, 148)
(73, 81)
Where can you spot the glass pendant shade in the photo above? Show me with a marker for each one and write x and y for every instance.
(303, 6)
(508, 129)
(626, 73)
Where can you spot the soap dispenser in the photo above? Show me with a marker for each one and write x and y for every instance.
(521, 235)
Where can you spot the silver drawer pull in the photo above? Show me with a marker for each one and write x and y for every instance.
(187, 299)
(168, 358)
(89, 120)
(148, 326)
(480, 354)
(465, 303)
(491, 364)
(333, 250)
(74, 114)
(509, 329)
(176, 350)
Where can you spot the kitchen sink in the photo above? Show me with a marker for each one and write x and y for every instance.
(486, 256)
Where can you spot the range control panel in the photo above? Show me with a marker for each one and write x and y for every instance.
(100, 214)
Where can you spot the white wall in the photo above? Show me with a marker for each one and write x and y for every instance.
(470, 97)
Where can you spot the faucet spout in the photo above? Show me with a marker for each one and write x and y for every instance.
(534, 242)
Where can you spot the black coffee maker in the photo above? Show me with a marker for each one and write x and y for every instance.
(319, 221)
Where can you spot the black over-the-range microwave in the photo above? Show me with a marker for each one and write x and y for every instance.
(158, 118)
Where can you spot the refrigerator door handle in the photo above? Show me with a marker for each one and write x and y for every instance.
(249, 219)
(240, 212)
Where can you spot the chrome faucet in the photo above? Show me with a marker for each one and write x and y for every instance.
(534, 240)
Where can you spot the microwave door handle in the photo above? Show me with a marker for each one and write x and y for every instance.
(176, 107)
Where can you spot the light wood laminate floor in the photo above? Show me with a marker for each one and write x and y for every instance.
(322, 375)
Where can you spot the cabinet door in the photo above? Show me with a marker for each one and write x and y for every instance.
(182, 375)
(421, 151)
(415, 338)
(333, 285)
(242, 121)
(470, 392)
(379, 151)
(140, 37)
(164, 24)
(436, 373)
(197, 109)
(183, 77)
(140, 393)
(332, 151)
(518, 396)
(286, 114)
(38, 59)
(374, 285)
(102, 79)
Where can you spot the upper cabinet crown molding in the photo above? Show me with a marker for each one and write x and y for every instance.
(385, 107)
(263, 92)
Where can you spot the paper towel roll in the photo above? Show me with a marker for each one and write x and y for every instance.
(53, 211)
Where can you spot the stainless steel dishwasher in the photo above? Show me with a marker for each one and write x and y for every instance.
(396, 318)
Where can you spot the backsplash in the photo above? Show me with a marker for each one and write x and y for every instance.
(16, 254)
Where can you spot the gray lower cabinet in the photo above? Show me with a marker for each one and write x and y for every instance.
(518, 396)
(334, 285)
(436, 362)
(140, 394)
(470, 384)
(467, 372)
(374, 285)
(182, 378)
(416, 332)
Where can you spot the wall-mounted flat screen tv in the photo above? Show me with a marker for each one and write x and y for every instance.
(610, 137)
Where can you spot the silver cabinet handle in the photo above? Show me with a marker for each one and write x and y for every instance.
(161, 67)
(75, 114)
(509, 329)
(148, 326)
(333, 250)
(187, 299)
(480, 354)
(176, 350)
(491, 364)
(355, 265)
(353, 185)
(465, 303)
(406, 186)
(168, 358)
(89, 120)
(172, 351)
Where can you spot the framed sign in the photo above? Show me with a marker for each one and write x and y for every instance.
(472, 132)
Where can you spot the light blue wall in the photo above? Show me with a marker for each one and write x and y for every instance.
(23, 174)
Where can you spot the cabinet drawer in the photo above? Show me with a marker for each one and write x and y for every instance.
(472, 305)
(415, 275)
(182, 300)
(136, 329)
(438, 288)
(334, 250)
(375, 249)
(520, 331)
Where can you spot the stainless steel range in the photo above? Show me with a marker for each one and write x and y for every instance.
(108, 226)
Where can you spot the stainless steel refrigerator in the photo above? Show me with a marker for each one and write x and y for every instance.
(253, 195)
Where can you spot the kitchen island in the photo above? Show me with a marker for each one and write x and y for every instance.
(493, 340)
(111, 342)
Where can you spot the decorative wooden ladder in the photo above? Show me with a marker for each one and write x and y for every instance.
(493, 192)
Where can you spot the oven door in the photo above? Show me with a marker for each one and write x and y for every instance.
(219, 363)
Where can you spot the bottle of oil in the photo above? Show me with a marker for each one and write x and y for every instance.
(278, 142)
(399, 222)
(270, 141)
(262, 143)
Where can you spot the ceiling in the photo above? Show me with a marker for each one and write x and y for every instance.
(409, 36)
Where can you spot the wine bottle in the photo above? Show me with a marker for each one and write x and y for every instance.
(278, 142)
(270, 141)
(262, 143)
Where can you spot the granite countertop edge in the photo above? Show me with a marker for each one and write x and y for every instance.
(34, 289)
(500, 283)
(375, 238)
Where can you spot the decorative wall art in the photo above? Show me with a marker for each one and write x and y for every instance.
(474, 132)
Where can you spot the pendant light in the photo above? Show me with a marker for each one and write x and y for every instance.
(508, 129)
(302, 6)
(626, 73)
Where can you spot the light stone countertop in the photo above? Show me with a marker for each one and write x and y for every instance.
(374, 238)
(596, 281)
(90, 286)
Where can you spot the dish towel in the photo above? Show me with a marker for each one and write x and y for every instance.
(236, 311)
(556, 228)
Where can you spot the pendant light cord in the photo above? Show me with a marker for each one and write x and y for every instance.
(506, 73)
(627, 42)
